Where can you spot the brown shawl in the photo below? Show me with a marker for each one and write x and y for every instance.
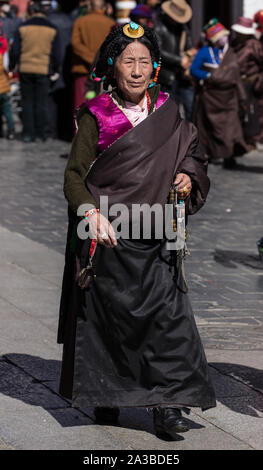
(141, 166)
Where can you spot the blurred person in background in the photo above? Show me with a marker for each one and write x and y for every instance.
(84, 7)
(59, 105)
(249, 53)
(218, 94)
(89, 32)
(21, 5)
(142, 15)
(5, 105)
(258, 19)
(36, 51)
(9, 19)
(49, 5)
(177, 52)
(155, 6)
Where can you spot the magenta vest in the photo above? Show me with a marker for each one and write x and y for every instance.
(112, 121)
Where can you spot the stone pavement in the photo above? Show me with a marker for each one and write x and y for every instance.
(225, 286)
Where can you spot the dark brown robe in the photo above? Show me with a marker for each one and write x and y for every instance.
(130, 339)
(250, 60)
(216, 111)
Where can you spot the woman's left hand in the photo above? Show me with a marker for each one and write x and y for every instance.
(184, 185)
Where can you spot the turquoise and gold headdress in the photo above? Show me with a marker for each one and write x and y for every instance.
(133, 30)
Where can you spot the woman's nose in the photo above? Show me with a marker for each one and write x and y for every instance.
(137, 71)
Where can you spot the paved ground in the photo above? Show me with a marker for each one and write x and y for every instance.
(225, 281)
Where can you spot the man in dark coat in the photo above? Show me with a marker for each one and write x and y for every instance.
(174, 36)
(60, 107)
(9, 20)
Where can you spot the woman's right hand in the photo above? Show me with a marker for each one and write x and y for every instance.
(101, 229)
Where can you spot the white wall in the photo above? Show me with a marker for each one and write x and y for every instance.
(250, 7)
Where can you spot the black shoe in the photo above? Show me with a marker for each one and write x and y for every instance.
(169, 420)
(229, 163)
(106, 415)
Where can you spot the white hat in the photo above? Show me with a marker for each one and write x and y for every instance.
(244, 26)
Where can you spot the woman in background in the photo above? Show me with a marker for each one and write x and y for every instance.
(219, 92)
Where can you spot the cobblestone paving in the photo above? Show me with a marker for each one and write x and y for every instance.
(32, 199)
(224, 273)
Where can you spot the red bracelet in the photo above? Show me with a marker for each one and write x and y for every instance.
(90, 212)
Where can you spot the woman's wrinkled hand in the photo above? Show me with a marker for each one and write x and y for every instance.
(101, 229)
(184, 185)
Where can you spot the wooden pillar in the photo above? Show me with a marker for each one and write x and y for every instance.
(197, 21)
(237, 9)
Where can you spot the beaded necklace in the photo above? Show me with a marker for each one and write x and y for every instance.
(148, 101)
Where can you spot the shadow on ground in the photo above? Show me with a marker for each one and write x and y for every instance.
(229, 259)
(247, 168)
(34, 381)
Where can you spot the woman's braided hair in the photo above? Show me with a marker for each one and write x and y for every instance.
(114, 45)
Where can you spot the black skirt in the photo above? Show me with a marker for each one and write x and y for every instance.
(136, 341)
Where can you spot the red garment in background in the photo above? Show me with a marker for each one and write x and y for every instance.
(3, 45)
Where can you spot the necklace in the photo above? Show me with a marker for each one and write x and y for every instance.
(148, 100)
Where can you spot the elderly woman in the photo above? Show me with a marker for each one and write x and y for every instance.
(130, 338)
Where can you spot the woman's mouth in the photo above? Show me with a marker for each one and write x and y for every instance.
(136, 84)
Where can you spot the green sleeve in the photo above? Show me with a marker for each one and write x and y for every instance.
(82, 154)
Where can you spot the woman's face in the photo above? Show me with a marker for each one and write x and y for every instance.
(222, 41)
(133, 71)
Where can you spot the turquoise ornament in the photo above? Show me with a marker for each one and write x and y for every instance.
(134, 26)
(155, 65)
(110, 61)
(133, 30)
